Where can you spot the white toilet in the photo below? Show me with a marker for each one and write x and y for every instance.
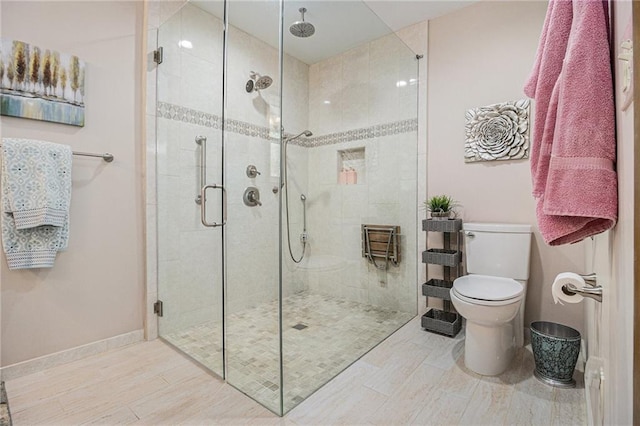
(491, 298)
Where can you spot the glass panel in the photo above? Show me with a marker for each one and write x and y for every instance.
(353, 84)
(251, 138)
(295, 276)
(190, 254)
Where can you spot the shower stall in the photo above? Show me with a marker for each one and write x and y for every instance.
(282, 128)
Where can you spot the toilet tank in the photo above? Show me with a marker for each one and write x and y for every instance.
(498, 249)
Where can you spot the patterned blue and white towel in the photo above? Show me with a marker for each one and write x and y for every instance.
(38, 179)
(36, 195)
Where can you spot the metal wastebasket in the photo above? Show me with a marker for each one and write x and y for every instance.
(555, 351)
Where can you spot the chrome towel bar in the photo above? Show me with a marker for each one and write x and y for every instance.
(106, 156)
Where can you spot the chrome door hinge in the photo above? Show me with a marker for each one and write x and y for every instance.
(158, 308)
(158, 55)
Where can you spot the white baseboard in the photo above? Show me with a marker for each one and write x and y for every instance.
(47, 361)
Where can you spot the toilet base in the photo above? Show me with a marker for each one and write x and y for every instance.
(489, 350)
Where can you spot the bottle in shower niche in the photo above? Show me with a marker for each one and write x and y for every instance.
(342, 177)
(352, 177)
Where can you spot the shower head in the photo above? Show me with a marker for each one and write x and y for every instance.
(303, 198)
(257, 82)
(306, 133)
(263, 82)
(301, 28)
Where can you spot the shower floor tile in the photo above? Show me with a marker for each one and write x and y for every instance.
(337, 333)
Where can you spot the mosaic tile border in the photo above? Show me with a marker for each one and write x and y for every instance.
(379, 130)
(200, 118)
(188, 115)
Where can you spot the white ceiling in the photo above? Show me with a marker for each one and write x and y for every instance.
(340, 24)
(398, 14)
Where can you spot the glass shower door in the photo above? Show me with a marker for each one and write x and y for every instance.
(310, 144)
(188, 157)
(251, 138)
(343, 294)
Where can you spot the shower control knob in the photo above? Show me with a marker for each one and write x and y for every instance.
(251, 197)
(252, 171)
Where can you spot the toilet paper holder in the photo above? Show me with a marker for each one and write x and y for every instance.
(593, 290)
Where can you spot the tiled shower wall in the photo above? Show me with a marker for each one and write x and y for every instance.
(252, 246)
(188, 254)
(190, 104)
(365, 99)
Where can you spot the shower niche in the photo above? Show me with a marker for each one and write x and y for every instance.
(351, 166)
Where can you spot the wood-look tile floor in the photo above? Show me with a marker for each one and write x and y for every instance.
(413, 377)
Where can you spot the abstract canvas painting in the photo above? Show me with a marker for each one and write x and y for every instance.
(497, 132)
(41, 84)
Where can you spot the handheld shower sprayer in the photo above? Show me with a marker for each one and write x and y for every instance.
(306, 133)
(304, 236)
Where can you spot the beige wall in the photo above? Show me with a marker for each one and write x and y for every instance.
(618, 303)
(95, 290)
(478, 56)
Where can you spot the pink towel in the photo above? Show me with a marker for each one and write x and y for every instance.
(577, 184)
(541, 84)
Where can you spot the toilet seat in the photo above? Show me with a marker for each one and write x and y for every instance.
(485, 302)
(487, 290)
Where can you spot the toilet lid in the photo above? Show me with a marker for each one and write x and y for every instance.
(484, 287)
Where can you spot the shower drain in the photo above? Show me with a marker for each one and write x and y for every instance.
(300, 326)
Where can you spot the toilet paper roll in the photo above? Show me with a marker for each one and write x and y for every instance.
(559, 295)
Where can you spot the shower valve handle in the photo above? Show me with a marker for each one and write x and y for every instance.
(251, 197)
(252, 171)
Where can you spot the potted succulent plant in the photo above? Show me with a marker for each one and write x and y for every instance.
(441, 206)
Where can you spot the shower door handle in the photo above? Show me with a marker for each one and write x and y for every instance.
(203, 206)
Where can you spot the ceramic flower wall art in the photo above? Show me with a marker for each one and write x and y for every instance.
(497, 132)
